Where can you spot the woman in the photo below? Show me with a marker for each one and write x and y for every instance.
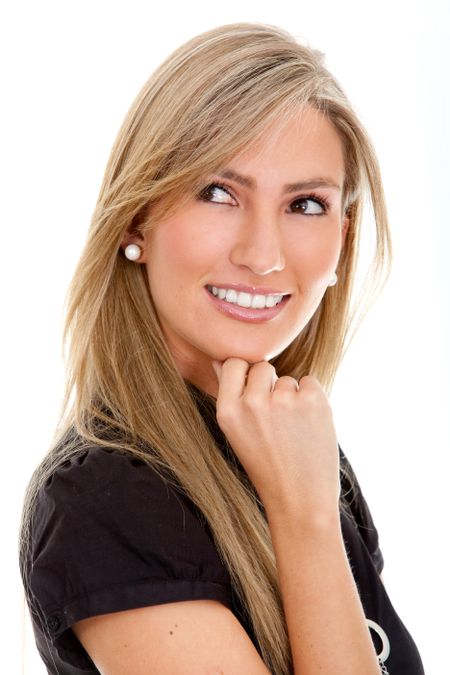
(195, 513)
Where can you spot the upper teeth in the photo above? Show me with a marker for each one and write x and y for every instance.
(246, 299)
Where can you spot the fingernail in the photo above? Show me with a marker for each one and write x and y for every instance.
(274, 380)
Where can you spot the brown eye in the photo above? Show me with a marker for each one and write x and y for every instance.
(215, 193)
(310, 206)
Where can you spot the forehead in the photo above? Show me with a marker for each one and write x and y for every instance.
(306, 142)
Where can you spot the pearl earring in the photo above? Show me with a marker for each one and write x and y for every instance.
(133, 252)
(333, 280)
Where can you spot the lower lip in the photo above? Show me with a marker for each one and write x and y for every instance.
(246, 313)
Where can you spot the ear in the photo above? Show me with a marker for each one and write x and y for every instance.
(133, 236)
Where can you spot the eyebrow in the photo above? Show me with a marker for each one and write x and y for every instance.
(311, 184)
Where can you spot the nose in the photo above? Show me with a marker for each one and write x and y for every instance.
(259, 245)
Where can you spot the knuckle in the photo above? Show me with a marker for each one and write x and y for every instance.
(312, 393)
(285, 397)
(252, 400)
(310, 382)
(310, 396)
(288, 379)
(224, 413)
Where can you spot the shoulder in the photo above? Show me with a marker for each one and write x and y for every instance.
(90, 468)
(99, 475)
(105, 519)
(94, 488)
(109, 534)
(106, 495)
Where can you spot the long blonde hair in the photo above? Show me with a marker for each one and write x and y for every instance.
(211, 98)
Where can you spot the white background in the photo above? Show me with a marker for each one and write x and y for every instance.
(69, 74)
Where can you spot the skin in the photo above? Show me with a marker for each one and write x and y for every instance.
(260, 237)
(281, 430)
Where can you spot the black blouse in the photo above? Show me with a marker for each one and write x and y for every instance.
(108, 534)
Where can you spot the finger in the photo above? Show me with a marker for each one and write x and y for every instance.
(309, 383)
(287, 383)
(232, 379)
(261, 378)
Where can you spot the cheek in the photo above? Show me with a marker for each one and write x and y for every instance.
(178, 255)
(314, 256)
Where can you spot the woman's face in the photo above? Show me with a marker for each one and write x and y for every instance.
(271, 222)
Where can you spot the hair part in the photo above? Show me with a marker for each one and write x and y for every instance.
(208, 101)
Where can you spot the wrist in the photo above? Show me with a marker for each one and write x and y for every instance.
(306, 520)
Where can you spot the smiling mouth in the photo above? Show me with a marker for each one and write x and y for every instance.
(237, 312)
(255, 301)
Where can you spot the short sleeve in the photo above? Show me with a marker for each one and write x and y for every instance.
(110, 534)
(359, 509)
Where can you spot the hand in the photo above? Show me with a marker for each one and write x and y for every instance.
(283, 434)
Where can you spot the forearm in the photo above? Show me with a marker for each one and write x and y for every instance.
(327, 630)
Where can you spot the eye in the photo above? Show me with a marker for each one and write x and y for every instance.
(311, 205)
(215, 193)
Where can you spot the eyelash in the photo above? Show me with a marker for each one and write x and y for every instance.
(322, 201)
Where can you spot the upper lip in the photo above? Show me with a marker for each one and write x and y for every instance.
(254, 290)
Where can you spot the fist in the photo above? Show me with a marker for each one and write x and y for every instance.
(283, 434)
